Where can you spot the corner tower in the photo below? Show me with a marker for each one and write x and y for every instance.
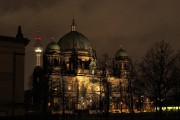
(121, 64)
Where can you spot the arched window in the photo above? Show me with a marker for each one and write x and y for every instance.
(67, 66)
(56, 63)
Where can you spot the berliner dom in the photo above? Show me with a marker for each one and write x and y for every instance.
(70, 78)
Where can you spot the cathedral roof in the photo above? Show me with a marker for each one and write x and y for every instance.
(74, 39)
(121, 54)
(52, 47)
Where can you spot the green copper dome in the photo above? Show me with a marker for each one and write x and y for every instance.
(74, 39)
(52, 47)
(121, 54)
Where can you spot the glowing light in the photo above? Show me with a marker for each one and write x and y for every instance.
(37, 38)
(69, 87)
(38, 49)
(169, 108)
(49, 104)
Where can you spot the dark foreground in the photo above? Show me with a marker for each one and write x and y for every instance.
(137, 116)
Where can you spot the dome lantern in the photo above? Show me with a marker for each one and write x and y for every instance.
(73, 26)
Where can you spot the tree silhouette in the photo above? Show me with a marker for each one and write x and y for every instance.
(157, 70)
(176, 80)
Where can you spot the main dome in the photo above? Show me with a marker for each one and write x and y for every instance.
(74, 39)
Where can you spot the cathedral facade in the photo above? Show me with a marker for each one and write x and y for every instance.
(71, 78)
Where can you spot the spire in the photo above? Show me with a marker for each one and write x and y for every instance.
(73, 26)
(19, 33)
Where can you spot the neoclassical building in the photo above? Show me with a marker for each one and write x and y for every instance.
(12, 62)
(71, 79)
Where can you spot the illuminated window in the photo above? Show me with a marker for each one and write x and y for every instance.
(69, 87)
(56, 62)
(49, 104)
(67, 66)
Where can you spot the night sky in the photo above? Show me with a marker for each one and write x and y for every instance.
(108, 24)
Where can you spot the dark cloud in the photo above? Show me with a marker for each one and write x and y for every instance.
(134, 24)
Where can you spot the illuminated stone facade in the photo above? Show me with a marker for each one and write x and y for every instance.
(75, 82)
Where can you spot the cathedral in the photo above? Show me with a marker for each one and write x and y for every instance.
(71, 79)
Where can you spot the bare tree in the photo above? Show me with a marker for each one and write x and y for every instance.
(157, 70)
(105, 67)
(176, 80)
(138, 86)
